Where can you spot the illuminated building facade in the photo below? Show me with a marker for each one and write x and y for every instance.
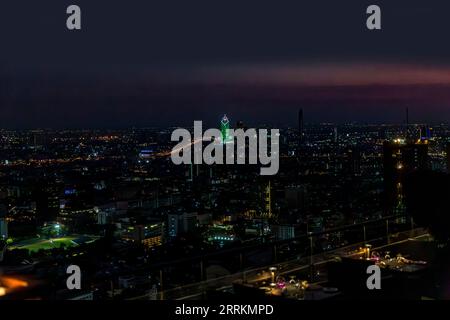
(224, 129)
(149, 235)
(284, 232)
(220, 235)
(267, 202)
(399, 159)
(179, 223)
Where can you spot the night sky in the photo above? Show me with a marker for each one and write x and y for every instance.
(170, 62)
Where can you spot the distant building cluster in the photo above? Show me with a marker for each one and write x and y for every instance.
(116, 196)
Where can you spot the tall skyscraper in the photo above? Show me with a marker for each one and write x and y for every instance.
(353, 164)
(400, 158)
(224, 129)
(47, 202)
(181, 222)
(266, 201)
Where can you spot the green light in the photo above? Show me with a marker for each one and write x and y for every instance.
(224, 129)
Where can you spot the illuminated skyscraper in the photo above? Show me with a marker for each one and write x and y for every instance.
(224, 129)
(400, 159)
(267, 202)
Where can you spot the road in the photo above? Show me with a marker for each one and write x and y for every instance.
(197, 290)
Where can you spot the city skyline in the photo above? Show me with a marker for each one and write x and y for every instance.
(173, 150)
(114, 204)
(329, 93)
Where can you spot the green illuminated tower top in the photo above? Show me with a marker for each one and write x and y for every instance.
(224, 129)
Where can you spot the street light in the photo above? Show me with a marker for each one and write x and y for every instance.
(272, 273)
(368, 247)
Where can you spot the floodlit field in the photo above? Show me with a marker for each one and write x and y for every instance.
(45, 244)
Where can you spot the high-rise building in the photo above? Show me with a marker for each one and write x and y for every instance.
(102, 217)
(353, 165)
(189, 222)
(178, 223)
(47, 203)
(149, 235)
(401, 158)
(224, 129)
(173, 225)
(284, 232)
(267, 202)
